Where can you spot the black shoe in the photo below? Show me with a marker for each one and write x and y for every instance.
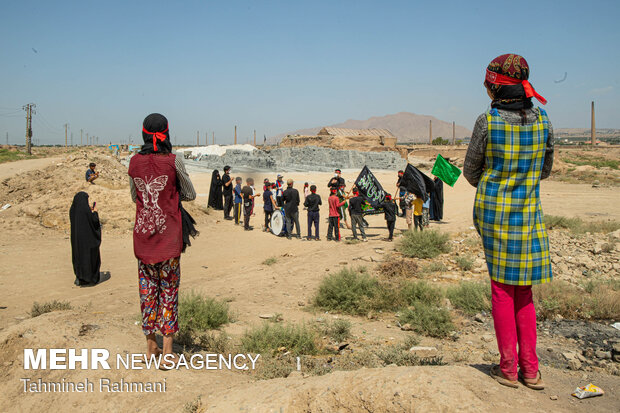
(289, 237)
(228, 218)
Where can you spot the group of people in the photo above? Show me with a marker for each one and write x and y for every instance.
(230, 194)
(507, 178)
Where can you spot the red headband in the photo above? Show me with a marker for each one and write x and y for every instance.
(499, 79)
(156, 136)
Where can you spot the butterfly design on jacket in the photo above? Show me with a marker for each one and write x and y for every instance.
(152, 217)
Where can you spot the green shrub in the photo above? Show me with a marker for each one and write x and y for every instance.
(339, 330)
(579, 226)
(199, 313)
(270, 261)
(435, 266)
(353, 291)
(466, 263)
(470, 297)
(296, 338)
(48, 307)
(424, 244)
(428, 320)
(413, 292)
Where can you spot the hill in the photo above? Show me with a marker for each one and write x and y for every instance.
(406, 126)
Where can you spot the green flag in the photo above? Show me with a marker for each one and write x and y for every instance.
(445, 171)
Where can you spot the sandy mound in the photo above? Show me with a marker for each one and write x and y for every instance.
(42, 198)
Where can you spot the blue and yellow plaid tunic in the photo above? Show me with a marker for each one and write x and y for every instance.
(507, 210)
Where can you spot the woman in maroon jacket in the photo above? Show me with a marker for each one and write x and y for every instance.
(158, 182)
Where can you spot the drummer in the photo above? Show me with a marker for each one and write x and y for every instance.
(269, 204)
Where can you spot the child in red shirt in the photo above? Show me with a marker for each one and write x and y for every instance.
(334, 217)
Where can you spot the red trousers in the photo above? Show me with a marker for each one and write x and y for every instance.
(514, 318)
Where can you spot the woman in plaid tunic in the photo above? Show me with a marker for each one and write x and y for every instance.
(510, 152)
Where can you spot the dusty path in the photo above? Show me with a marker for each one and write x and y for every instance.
(8, 169)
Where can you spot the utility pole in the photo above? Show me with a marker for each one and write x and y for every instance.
(66, 134)
(71, 138)
(87, 140)
(593, 127)
(207, 138)
(254, 137)
(213, 137)
(7, 139)
(430, 132)
(197, 138)
(453, 133)
(29, 108)
(235, 134)
(81, 137)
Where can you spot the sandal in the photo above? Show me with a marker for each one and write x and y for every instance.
(499, 377)
(534, 384)
(165, 366)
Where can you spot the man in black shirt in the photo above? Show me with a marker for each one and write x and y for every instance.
(389, 209)
(337, 181)
(227, 188)
(357, 217)
(248, 195)
(312, 203)
(291, 209)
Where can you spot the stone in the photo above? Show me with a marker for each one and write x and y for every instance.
(574, 364)
(423, 352)
(479, 318)
(554, 397)
(487, 338)
(406, 327)
(600, 354)
(568, 355)
(301, 303)
(266, 316)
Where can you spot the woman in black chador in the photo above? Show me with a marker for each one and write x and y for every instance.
(436, 206)
(215, 193)
(85, 240)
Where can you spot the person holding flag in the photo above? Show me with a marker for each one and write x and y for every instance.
(511, 150)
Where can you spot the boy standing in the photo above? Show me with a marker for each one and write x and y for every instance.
(248, 203)
(356, 213)
(270, 204)
(312, 203)
(334, 217)
(238, 200)
(389, 210)
(417, 213)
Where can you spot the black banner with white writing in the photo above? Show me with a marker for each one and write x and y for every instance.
(370, 188)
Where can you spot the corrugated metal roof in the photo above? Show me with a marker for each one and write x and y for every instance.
(355, 132)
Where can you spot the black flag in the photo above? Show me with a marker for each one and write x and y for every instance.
(370, 188)
(416, 182)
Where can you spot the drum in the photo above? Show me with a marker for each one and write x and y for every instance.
(278, 223)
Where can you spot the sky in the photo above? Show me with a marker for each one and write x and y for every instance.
(277, 66)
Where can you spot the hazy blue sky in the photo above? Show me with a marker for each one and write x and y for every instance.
(276, 66)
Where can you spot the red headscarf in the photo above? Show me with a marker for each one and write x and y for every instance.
(511, 69)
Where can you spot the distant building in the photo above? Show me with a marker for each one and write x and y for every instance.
(342, 138)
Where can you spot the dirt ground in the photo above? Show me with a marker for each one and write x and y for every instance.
(226, 262)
